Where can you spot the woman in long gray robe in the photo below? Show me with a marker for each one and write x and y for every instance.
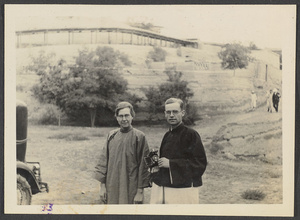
(121, 166)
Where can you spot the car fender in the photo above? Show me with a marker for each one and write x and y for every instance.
(27, 173)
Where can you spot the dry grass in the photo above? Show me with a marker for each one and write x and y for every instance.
(253, 195)
(67, 166)
(69, 137)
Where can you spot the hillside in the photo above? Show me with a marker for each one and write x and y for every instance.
(215, 90)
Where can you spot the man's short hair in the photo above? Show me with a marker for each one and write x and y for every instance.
(175, 100)
(123, 105)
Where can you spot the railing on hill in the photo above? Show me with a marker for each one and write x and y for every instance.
(188, 65)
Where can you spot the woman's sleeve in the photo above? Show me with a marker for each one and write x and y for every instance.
(143, 175)
(101, 167)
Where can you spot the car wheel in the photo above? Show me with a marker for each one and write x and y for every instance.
(23, 191)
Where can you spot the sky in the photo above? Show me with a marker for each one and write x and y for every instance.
(264, 25)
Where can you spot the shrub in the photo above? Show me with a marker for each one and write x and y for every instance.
(252, 46)
(105, 57)
(274, 175)
(125, 59)
(45, 115)
(268, 136)
(215, 147)
(253, 195)
(191, 114)
(174, 87)
(157, 54)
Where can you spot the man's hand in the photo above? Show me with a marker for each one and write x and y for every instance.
(103, 194)
(163, 162)
(139, 197)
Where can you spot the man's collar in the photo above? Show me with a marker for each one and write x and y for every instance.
(125, 130)
(177, 127)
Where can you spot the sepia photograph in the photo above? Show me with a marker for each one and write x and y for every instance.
(150, 109)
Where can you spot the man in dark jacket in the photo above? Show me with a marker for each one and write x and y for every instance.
(275, 99)
(182, 161)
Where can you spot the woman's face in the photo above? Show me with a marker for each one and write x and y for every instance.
(124, 118)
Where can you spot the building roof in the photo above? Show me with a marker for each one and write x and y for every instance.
(42, 24)
(37, 23)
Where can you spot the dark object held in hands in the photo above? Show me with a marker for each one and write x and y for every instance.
(152, 158)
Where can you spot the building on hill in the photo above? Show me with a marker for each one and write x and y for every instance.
(73, 30)
(279, 52)
(146, 26)
(267, 56)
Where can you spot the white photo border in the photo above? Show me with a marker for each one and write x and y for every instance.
(288, 128)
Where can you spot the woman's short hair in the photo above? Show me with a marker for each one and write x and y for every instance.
(175, 100)
(123, 105)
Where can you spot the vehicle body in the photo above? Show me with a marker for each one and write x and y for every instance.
(29, 181)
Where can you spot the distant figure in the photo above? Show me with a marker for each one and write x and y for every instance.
(253, 100)
(269, 100)
(275, 99)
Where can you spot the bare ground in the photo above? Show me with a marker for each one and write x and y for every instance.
(249, 158)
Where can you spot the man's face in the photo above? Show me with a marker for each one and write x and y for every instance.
(124, 118)
(174, 114)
